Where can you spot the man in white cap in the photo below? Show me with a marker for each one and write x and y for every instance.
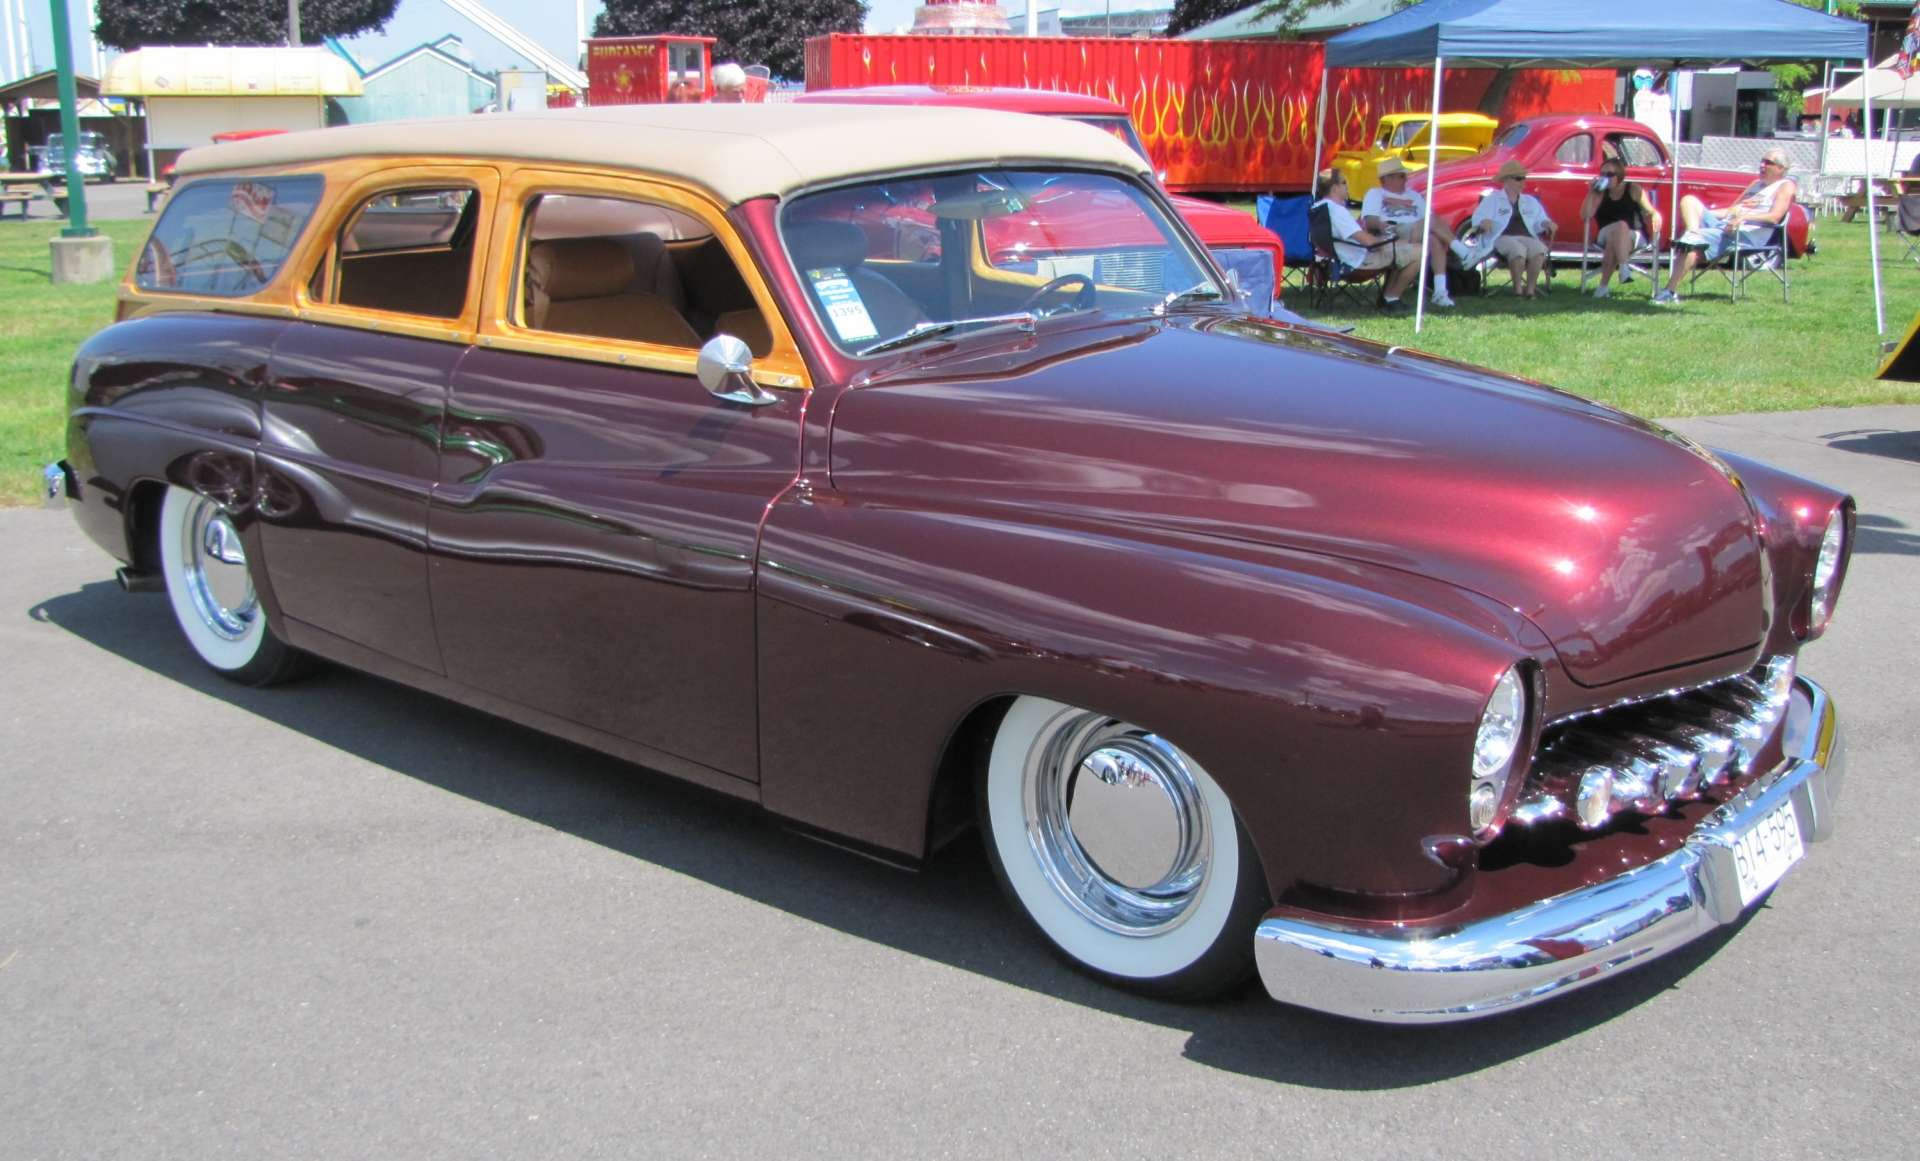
(1392, 208)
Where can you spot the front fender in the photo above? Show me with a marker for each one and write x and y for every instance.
(1335, 702)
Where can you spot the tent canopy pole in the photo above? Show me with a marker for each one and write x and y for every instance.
(1320, 120)
(1873, 215)
(1426, 224)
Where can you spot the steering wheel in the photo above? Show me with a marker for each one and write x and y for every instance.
(1082, 298)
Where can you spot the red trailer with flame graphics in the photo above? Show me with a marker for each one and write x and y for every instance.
(1215, 115)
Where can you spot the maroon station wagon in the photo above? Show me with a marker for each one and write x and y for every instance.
(1422, 692)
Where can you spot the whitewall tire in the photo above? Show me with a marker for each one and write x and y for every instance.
(210, 586)
(1121, 849)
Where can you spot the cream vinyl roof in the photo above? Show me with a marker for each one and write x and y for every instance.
(739, 152)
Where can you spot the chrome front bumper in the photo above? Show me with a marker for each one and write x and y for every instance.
(1427, 975)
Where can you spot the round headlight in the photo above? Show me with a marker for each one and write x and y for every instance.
(1826, 571)
(1500, 726)
(1494, 744)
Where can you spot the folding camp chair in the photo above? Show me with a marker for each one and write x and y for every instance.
(1643, 262)
(1744, 258)
(1287, 217)
(1329, 276)
(1907, 220)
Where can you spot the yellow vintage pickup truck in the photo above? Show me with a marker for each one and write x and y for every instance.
(1404, 135)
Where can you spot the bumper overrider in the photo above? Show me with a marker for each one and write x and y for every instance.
(1426, 974)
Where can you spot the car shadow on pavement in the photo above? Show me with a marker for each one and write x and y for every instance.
(1877, 441)
(951, 912)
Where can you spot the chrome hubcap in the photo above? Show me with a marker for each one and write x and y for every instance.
(216, 571)
(1117, 823)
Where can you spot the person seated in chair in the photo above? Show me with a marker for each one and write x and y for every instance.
(1354, 246)
(1391, 208)
(1513, 224)
(1752, 218)
(1624, 219)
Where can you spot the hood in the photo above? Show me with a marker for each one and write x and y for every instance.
(1629, 548)
(1218, 225)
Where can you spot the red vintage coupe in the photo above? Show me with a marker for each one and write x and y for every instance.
(1423, 692)
(1563, 153)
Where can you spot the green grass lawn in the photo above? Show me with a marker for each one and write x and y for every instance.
(40, 326)
(1707, 356)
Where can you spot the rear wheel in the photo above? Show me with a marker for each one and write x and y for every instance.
(211, 590)
(1122, 850)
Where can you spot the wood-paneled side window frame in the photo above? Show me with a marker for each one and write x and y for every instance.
(316, 296)
(501, 327)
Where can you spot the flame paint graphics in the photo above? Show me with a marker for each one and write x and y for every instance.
(1219, 116)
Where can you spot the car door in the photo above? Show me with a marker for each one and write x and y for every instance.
(595, 526)
(352, 412)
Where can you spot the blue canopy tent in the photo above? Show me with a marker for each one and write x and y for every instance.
(1570, 33)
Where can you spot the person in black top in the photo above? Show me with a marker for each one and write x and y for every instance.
(1623, 218)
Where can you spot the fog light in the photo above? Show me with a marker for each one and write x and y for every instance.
(1595, 797)
(1482, 805)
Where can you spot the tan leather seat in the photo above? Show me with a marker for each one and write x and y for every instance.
(579, 286)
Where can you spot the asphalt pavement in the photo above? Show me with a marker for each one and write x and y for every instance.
(106, 202)
(344, 919)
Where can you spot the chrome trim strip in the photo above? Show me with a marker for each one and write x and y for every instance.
(1425, 975)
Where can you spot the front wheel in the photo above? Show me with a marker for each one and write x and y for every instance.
(1122, 850)
(210, 588)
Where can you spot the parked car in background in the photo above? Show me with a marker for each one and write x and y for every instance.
(1563, 155)
(95, 157)
(1405, 136)
(1253, 254)
(1423, 692)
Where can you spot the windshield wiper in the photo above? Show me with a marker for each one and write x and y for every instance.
(1201, 292)
(916, 332)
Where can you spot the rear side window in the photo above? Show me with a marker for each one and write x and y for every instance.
(1575, 150)
(226, 237)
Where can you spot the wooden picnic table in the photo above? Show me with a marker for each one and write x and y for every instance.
(20, 189)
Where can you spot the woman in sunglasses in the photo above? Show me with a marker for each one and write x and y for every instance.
(1623, 217)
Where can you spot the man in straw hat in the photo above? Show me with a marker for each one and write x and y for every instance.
(1392, 208)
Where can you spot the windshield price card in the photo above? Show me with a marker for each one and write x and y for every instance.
(1764, 853)
(842, 303)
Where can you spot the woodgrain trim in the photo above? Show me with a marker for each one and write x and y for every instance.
(781, 368)
(342, 207)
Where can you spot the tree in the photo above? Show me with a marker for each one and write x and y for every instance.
(129, 24)
(1789, 79)
(773, 33)
(1191, 14)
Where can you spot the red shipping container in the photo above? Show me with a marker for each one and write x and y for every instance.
(1215, 115)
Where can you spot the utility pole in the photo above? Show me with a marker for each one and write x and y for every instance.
(293, 23)
(80, 253)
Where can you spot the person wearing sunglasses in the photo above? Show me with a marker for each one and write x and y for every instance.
(1752, 217)
(1624, 218)
(1513, 224)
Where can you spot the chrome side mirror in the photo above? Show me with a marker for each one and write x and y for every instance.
(725, 367)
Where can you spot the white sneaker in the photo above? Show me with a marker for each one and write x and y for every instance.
(1665, 297)
(1603, 292)
(1626, 276)
(1442, 300)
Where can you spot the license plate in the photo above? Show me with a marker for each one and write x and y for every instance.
(1766, 850)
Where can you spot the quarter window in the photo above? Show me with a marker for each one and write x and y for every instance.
(1575, 150)
(226, 237)
(625, 269)
(409, 251)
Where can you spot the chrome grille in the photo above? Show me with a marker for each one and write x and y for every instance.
(1644, 755)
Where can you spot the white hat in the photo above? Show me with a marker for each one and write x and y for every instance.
(729, 76)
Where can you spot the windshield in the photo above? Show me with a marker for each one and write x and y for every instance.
(1406, 131)
(986, 248)
(1120, 127)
